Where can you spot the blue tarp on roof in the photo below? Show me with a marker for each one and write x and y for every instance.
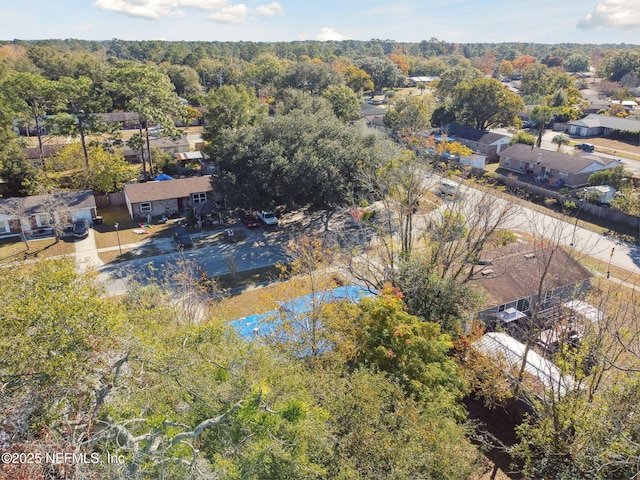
(163, 176)
(264, 324)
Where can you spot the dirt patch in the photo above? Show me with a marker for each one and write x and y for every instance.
(493, 426)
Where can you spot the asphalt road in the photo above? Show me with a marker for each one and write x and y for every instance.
(260, 249)
(566, 233)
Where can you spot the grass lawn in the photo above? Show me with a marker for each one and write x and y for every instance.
(249, 301)
(106, 235)
(14, 249)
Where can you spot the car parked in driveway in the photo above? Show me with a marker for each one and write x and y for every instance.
(182, 237)
(268, 218)
(81, 228)
(249, 219)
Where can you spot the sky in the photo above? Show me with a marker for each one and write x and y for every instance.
(456, 21)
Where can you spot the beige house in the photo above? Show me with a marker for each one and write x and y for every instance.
(552, 167)
(155, 199)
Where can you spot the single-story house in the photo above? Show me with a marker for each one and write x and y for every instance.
(126, 120)
(484, 142)
(596, 105)
(554, 167)
(158, 198)
(40, 215)
(426, 79)
(35, 156)
(510, 279)
(165, 144)
(626, 104)
(594, 125)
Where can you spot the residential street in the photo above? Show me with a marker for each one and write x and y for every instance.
(265, 248)
(571, 235)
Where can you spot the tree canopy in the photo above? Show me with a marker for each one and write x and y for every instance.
(485, 103)
(268, 164)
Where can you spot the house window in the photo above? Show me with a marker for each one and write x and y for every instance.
(506, 161)
(145, 207)
(43, 219)
(563, 174)
(199, 198)
(523, 304)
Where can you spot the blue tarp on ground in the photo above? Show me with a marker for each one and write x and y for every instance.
(263, 324)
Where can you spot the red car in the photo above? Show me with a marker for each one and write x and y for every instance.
(249, 219)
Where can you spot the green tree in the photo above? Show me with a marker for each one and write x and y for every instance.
(31, 97)
(146, 90)
(344, 101)
(383, 72)
(267, 69)
(414, 352)
(357, 79)
(311, 76)
(577, 62)
(410, 113)
(617, 64)
(107, 172)
(523, 137)
(561, 139)
(82, 102)
(21, 177)
(230, 108)
(541, 116)
(268, 164)
(454, 76)
(185, 79)
(535, 80)
(486, 103)
(617, 177)
(435, 299)
(381, 434)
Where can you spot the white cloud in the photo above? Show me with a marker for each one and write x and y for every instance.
(230, 14)
(327, 33)
(222, 12)
(269, 10)
(156, 8)
(617, 14)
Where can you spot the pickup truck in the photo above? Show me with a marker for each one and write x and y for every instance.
(268, 218)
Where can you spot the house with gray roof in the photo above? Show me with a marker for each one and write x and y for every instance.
(486, 143)
(42, 215)
(554, 167)
(595, 125)
(166, 144)
(163, 197)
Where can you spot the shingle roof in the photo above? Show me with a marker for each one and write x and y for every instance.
(481, 136)
(33, 153)
(167, 190)
(118, 117)
(560, 161)
(34, 204)
(516, 271)
(614, 123)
